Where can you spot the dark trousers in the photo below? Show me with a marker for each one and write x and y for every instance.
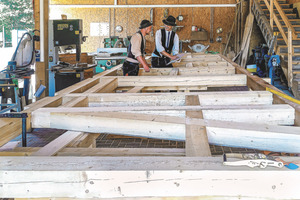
(157, 62)
(130, 69)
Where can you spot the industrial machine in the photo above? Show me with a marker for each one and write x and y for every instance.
(65, 34)
(116, 42)
(18, 71)
(265, 64)
(113, 53)
(108, 58)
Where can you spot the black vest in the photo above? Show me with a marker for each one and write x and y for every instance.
(130, 54)
(163, 42)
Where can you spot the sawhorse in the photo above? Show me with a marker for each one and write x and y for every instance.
(5, 84)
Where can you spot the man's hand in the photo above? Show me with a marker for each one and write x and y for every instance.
(146, 68)
(142, 60)
(173, 57)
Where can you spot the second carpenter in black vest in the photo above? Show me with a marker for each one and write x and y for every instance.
(166, 45)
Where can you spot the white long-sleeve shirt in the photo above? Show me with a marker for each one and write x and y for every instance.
(159, 45)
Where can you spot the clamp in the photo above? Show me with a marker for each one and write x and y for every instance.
(251, 160)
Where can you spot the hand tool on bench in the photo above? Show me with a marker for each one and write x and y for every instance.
(251, 160)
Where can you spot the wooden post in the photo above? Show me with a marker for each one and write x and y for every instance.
(271, 13)
(196, 137)
(41, 71)
(290, 57)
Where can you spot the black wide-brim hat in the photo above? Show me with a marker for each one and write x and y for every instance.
(170, 21)
(145, 23)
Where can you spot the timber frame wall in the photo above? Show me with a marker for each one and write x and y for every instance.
(66, 168)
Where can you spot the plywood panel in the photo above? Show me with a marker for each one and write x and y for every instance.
(86, 2)
(130, 18)
(293, 1)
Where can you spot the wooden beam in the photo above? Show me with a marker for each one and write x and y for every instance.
(200, 64)
(258, 114)
(246, 135)
(196, 142)
(86, 140)
(107, 178)
(121, 152)
(104, 86)
(157, 81)
(10, 146)
(77, 102)
(280, 114)
(59, 143)
(176, 99)
(174, 72)
(79, 150)
(135, 89)
(189, 65)
(10, 129)
(185, 71)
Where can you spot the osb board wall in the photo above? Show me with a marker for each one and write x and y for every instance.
(130, 18)
(293, 1)
(139, 2)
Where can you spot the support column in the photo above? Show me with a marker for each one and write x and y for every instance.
(41, 67)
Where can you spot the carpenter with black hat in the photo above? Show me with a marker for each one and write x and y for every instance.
(166, 44)
(136, 51)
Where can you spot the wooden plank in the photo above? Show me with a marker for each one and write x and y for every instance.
(10, 129)
(86, 140)
(189, 65)
(135, 89)
(184, 64)
(272, 13)
(196, 142)
(155, 198)
(196, 70)
(77, 102)
(212, 81)
(174, 72)
(104, 86)
(121, 152)
(246, 39)
(42, 115)
(99, 178)
(45, 112)
(10, 146)
(78, 150)
(176, 99)
(274, 115)
(56, 145)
